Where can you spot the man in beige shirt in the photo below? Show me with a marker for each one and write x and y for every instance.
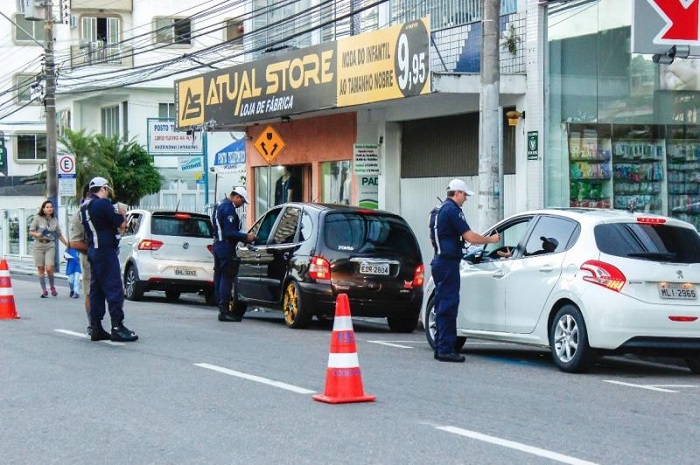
(78, 241)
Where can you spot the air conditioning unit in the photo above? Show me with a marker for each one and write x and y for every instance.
(34, 10)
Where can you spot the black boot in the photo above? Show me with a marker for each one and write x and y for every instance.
(225, 314)
(97, 332)
(121, 333)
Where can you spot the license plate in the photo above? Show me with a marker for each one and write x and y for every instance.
(185, 272)
(374, 268)
(677, 291)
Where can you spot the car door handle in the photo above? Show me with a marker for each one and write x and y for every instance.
(547, 269)
(498, 274)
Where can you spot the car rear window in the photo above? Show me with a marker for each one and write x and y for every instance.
(368, 232)
(661, 242)
(181, 225)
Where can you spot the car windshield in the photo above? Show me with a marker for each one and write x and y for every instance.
(368, 232)
(659, 242)
(181, 225)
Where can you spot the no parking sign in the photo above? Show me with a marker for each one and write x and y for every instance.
(66, 176)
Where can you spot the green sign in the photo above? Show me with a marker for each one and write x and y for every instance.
(533, 144)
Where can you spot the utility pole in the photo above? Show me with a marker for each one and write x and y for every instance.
(50, 108)
(490, 186)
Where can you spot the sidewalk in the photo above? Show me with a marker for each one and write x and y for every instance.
(26, 267)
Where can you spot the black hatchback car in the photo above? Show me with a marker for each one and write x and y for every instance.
(305, 254)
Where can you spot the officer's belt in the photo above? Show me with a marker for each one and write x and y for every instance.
(448, 257)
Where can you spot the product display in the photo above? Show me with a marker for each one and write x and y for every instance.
(683, 157)
(589, 168)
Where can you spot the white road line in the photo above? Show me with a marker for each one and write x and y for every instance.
(515, 445)
(390, 344)
(257, 379)
(676, 385)
(640, 386)
(84, 336)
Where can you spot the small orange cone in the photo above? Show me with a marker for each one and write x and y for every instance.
(343, 377)
(7, 298)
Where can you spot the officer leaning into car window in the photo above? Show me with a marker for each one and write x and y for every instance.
(103, 222)
(227, 233)
(450, 229)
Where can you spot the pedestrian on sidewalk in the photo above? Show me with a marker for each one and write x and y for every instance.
(73, 272)
(45, 229)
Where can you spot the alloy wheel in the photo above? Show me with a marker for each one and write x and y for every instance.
(566, 338)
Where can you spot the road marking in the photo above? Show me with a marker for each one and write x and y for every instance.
(84, 336)
(257, 379)
(640, 386)
(390, 344)
(515, 445)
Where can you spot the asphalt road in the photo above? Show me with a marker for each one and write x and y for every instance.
(193, 390)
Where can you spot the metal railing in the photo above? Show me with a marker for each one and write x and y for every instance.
(92, 53)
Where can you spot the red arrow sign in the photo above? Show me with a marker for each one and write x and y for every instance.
(681, 18)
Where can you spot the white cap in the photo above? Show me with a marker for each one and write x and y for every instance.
(459, 185)
(240, 190)
(99, 182)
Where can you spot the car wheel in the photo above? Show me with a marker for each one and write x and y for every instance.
(430, 327)
(133, 289)
(210, 298)
(569, 341)
(172, 295)
(294, 314)
(694, 364)
(402, 324)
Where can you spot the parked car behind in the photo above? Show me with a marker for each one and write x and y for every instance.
(167, 251)
(306, 254)
(584, 283)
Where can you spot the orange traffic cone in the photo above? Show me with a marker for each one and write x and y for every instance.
(343, 377)
(7, 298)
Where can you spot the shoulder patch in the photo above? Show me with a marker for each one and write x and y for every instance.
(461, 216)
(229, 218)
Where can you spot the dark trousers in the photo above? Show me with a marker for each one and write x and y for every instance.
(225, 274)
(446, 277)
(105, 284)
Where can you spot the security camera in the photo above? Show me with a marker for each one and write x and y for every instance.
(662, 59)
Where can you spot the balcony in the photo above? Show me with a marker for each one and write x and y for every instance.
(100, 53)
(122, 6)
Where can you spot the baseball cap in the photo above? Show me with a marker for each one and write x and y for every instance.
(459, 185)
(551, 240)
(99, 182)
(240, 190)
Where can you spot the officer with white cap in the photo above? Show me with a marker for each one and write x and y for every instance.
(227, 233)
(449, 228)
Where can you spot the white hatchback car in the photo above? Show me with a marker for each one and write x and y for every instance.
(583, 282)
(167, 251)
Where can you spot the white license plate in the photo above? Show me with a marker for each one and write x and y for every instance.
(677, 291)
(185, 272)
(374, 268)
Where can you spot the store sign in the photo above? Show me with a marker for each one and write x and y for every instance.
(366, 159)
(368, 191)
(533, 145)
(164, 139)
(657, 25)
(386, 64)
(269, 144)
(190, 164)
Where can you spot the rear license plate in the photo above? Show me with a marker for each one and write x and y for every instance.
(185, 272)
(374, 268)
(677, 291)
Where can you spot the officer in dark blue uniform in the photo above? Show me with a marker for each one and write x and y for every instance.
(227, 233)
(449, 230)
(102, 222)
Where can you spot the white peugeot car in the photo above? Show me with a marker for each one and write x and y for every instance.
(584, 283)
(167, 251)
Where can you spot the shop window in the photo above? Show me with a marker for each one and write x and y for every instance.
(336, 182)
(173, 31)
(31, 147)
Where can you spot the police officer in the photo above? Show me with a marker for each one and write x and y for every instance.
(450, 229)
(102, 222)
(227, 233)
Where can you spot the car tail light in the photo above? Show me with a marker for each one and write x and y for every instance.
(683, 319)
(646, 220)
(604, 274)
(320, 268)
(418, 276)
(182, 216)
(149, 244)
(210, 248)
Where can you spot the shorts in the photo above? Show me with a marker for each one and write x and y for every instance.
(85, 265)
(43, 254)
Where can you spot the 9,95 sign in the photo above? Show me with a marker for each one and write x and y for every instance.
(411, 58)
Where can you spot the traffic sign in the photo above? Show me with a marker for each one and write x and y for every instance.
(658, 25)
(269, 144)
(66, 165)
